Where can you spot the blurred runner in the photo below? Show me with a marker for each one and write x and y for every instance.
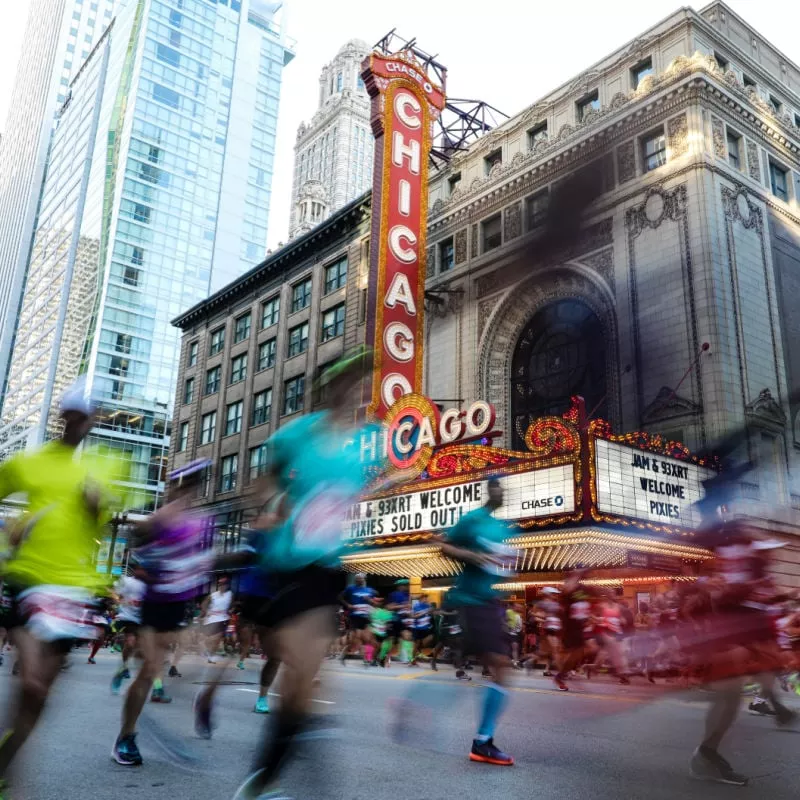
(316, 460)
(169, 548)
(358, 600)
(399, 603)
(130, 590)
(477, 542)
(51, 573)
(216, 611)
(421, 613)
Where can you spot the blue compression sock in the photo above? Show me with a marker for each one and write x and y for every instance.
(494, 701)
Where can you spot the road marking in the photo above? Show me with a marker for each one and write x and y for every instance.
(275, 694)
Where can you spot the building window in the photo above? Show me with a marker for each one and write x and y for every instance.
(188, 391)
(537, 134)
(654, 151)
(339, 82)
(335, 275)
(447, 255)
(748, 82)
(183, 437)
(242, 329)
(641, 71)
(124, 343)
(536, 208)
(266, 354)
(229, 466)
(238, 368)
(298, 340)
(293, 395)
(452, 183)
(589, 103)
(301, 295)
(217, 341)
(213, 379)
(192, 359)
(776, 104)
(130, 276)
(262, 408)
(493, 158)
(270, 311)
(722, 62)
(491, 233)
(233, 418)
(208, 427)
(137, 255)
(259, 461)
(777, 180)
(734, 149)
(333, 323)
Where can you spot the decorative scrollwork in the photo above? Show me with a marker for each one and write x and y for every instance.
(553, 436)
(460, 459)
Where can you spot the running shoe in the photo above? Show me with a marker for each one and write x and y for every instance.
(249, 791)
(160, 696)
(173, 672)
(240, 665)
(547, 674)
(709, 765)
(116, 681)
(126, 752)
(761, 708)
(261, 706)
(487, 753)
(462, 675)
(560, 685)
(126, 674)
(90, 661)
(202, 720)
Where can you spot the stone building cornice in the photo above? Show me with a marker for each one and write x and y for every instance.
(346, 101)
(686, 80)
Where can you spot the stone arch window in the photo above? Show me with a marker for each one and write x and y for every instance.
(560, 352)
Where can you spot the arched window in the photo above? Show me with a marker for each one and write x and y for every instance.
(561, 352)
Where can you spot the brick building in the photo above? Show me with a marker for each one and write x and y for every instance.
(251, 352)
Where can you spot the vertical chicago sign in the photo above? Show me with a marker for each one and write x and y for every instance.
(404, 105)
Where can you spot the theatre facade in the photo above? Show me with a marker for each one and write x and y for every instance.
(585, 369)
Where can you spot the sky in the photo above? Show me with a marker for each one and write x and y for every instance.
(508, 53)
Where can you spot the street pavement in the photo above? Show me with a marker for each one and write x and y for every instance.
(599, 741)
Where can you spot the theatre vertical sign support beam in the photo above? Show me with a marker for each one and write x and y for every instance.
(405, 103)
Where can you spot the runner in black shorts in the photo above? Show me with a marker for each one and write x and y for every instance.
(358, 600)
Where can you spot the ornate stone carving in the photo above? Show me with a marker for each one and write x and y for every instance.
(646, 85)
(667, 405)
(766, 411)
(678, 135)
(753, 163)
(512, 221)
(437, 207)
(484, 312)
(738, 208)
(602, 263)
(626, 161)
(659, 204)
(618, 101)
(430, 263)
(474, 253)
(442, 304)
(565, 131)
(461, 246)
(486, 284)
(718, 136)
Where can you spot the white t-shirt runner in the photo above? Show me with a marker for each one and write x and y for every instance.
(219, 607)
(131, 593)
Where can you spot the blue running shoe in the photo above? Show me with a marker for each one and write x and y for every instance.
(116, 681)
(126, 752)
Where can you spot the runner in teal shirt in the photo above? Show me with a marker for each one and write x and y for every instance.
(477, 542)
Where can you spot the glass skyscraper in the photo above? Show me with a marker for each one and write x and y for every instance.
(58, 38)
(159, 181)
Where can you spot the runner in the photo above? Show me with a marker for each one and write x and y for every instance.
(477, 541)
(169, 549)
(51, 572)
(548, 615)
(358, 600)
(216, 610)
(381, 625)
(422, 621)
(316, 460)
(451, 637)
(130, 590)
(577, 615)
(399, 603)
(608, 634)
(514, 629)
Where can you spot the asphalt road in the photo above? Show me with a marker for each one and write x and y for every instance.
(599, 741)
